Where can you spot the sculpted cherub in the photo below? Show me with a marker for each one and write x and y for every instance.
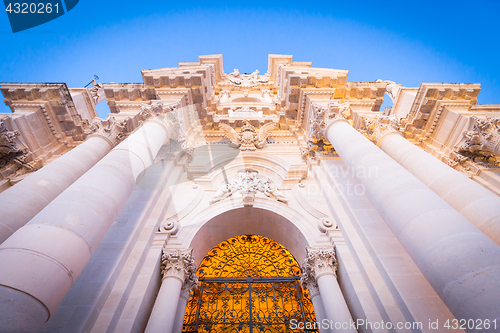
(248, 138)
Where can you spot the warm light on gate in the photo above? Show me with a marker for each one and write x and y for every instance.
(244, 270)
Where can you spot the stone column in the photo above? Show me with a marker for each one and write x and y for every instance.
(459, 261)
(178, 274)
(181, 310)
(320, 266)
(309, 283)
(20, 203)
(41, 261)
(473, 201)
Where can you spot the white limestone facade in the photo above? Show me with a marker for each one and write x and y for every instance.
(393, 215)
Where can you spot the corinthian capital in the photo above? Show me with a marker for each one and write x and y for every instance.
(179, 264)
(319, 261)
(168, 116)
(375, 129)
(112, 130)
(156, 108)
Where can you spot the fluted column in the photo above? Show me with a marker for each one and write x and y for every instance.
(459, 261)
(178, 273)
(41, 260)
(320, 265)
(20, 203)
(309, 283)
(473, 201)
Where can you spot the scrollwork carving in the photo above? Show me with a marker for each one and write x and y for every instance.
(248, 138)
(248, 183)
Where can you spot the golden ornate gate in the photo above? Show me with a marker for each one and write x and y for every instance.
(248, 283)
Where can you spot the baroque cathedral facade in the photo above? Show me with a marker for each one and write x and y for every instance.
(283, 202)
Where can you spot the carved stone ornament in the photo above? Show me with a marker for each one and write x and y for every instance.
(317, 143)
(168, 115)
(320, 261)
(246, 80)
(95, 90)
(248, 138)
(179, 264)
(15, 160)
(248, 183)
(25, 168)
(482, 144)
(326, 223)
(109, 128)
(9, 140)
(169, 227)
(375, 128)
(308, 282)
(154, 109)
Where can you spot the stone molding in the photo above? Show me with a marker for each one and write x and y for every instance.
(179, 264)
(248, 182)
(320, 261)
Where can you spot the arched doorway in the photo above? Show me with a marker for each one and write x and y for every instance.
(248, 283)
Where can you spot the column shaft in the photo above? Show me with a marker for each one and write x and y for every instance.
(334, 303)
(20, 203)
(319, 311)
(181, 310)
(458, 260)
(164, 311)
(43, 258)
(179, 278)
(477, 204)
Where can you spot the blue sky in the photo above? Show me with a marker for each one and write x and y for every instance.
(409, 43)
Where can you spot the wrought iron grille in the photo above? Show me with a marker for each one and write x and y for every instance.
(248, 284)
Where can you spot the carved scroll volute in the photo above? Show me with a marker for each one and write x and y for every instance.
(319, 262)
(179, 264)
